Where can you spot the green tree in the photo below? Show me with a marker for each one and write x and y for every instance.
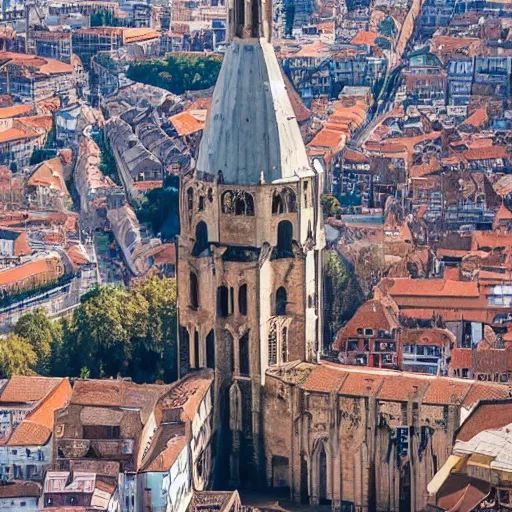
(17, 357)
(99, 337)
(330, 205)
(342, 293)
(178, 72)
(155, 338)
(42, 334)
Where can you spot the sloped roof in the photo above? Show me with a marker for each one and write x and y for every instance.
(252, 130)
(21, 389)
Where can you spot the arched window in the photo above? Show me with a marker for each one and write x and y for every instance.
(222, 301)
(284, 345)
(242, 299)
(184, 350)
(284, 239)
(201, 244)
(227, 202)
(237, 202)
(190, 198)
(284, 201)
(210, 349)
(196, 349)
(281, 301)
(277, 203)
(243, 351)
(194, 291)
(272, 348)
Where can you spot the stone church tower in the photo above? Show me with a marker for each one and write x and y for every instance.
(250, 249)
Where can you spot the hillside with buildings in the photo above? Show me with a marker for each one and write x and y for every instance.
(256, 256)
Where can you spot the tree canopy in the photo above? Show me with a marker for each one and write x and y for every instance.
(343, 294)
(42, 334)
(178, 72)
(114, 331)
(17, 357)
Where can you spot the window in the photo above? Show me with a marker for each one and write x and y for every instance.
(194, 291)
(201, 244)
(242, 299)
(101, 432)
(368, 332)
(210, 350)
(284, 239)
(243, 350)
(352, 345)
(190, 198)
(196, 349)
(201, 203)
(222, 301)
(284, 201)
(281, 301)
(272, 348)
(284, 345)
(237, 202)
(306, 194)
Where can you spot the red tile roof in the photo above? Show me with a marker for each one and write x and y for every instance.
(485, 391)
(14, 111)
(18, 489)
(486, 416)
(324, 379)
(401, 387)
(21, 389)
(186, 124)
(446, 391)
(486, 153)
(461, 358)
(361, 384)
(434, 288)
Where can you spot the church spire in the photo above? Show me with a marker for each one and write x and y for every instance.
(249, 19)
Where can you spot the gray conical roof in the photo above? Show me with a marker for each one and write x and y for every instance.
(251, 128)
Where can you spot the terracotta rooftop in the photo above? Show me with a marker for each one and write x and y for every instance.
(40, 267)
(43, 65)
(486, 153)
(324, 379)
(186, 124)
(402, 387)
(434, 288)
(17, 489)
(49, 173)
(374, 314)
(447, 392)
(462, 358)
(389, 385)
(14, 134)
(21, 389)
(14, 111)
(486, 416)
(365, 38)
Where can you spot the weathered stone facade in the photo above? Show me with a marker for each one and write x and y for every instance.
(249, 253)
(359, 439)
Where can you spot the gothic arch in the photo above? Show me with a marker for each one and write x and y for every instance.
(284, 239)
(237, 202)
(321, 464)
(284, 201)
(201, 244)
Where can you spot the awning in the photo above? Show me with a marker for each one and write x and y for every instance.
(442, 475)
(462, 493)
